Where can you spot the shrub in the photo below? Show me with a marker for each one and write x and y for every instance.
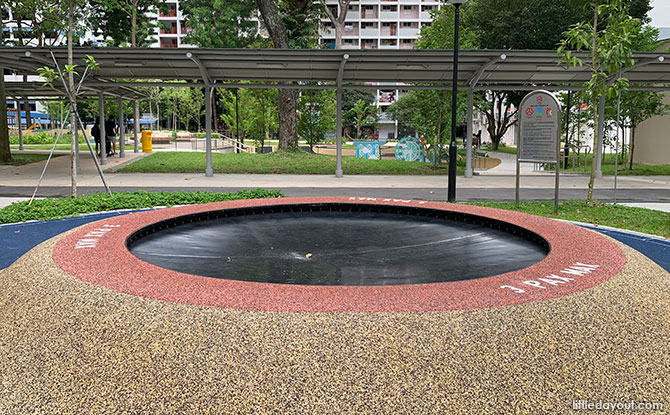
(53, 208)
(42, 138)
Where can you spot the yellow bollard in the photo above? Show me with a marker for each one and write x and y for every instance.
(146, 141)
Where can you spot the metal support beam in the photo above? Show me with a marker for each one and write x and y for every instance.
(136, 127)
(338, 128)
(203, 71)
(122, 133)
(468, 134)
(103, 133)
(209, 171)
(601, 134)
(477, 75)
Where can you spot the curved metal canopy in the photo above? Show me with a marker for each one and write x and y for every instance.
(479, 69)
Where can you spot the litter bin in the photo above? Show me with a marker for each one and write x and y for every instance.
(146, 141)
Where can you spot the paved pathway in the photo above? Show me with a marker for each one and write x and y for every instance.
(20, 181)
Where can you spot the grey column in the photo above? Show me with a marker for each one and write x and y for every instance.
(103, 134)
(209, 172)
(468, 134)
(598, 153)
(338, 134)
(18, 123)
(122, 133)
(136, 127)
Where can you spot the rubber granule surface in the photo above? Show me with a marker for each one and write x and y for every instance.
(70, 347)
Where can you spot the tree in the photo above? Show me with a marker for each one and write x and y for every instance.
(338, 18)
(258, 113)
(317, 115)
(290, 24)
(349, 98)
(364, 115)
(518, 24)
(113, 18)
(500, 109)
(610, 50)
(38, 22)
(219, 23)
(637, 106)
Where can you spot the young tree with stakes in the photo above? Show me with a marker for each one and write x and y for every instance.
(610, 49)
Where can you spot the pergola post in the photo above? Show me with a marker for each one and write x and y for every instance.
(209, 172)
(338, 127)
(468, 134)
(122, 134)
(338, 134)
(599, 140)
(136, 127)
(103, 133)
(18, 123)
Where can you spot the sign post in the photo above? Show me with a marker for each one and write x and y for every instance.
(538, 139)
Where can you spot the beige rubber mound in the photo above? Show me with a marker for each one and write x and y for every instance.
(68, 347)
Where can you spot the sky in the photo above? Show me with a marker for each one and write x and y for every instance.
(660, 14)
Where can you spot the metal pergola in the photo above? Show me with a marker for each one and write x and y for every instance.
(337, 69)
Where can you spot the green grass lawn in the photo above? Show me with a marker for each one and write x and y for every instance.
(21, 159)
(617, 216)
(276, 163)
(501, 149)
(82, 147)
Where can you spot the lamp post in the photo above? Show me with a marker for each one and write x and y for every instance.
(451, 188)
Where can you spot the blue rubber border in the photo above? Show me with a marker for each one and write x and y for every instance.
(18, 238)
(656, 249)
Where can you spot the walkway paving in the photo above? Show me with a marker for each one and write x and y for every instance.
(507, 166)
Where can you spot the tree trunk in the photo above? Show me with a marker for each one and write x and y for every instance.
(5, 153)
(133, 26)
(287, 101)
(339, 27)
(73, 114)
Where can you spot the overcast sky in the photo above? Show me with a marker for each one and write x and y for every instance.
(660, 14)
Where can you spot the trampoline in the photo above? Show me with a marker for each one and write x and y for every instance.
(338, 244)
(335, 254)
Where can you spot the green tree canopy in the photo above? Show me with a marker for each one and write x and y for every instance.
(317, 114)
(219, 23)
(113, 18)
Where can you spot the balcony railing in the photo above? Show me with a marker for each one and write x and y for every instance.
(172, 12)
(170, 31)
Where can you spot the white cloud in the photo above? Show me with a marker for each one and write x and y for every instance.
(660, 14)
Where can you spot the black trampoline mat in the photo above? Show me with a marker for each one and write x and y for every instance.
(335, 247)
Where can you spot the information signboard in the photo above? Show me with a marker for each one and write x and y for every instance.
(538, 139)
(540, 123)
